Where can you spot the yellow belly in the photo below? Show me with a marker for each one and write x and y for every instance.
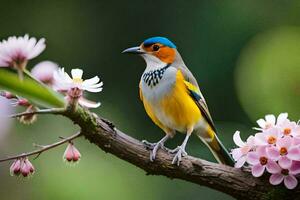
(176, 110)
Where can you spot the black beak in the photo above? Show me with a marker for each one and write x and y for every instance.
(134, 50)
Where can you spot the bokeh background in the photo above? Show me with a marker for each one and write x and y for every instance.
(245, 55)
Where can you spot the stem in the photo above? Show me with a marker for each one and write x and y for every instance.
(43, 111)
(32, 77)
(44, 148)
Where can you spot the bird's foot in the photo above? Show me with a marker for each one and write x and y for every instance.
(154, 147)
(180, 152)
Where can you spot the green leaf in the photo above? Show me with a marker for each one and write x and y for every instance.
(30, 89)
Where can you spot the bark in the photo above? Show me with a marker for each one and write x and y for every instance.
(237, 183)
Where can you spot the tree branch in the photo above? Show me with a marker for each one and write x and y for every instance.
(238, 183)
(235, 182)
(44, 111)
(43, 148)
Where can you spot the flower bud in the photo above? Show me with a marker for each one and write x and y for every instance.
(15, 168)
(26, 168)
(71, 153)
(8, 95)
(23, 102)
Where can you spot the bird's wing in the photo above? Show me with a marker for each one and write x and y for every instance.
(196, 94)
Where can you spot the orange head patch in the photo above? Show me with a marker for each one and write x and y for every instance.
(164, 53)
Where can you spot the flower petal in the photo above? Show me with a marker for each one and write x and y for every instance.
(261, 123)
(236, 153)
(258, 170)
(91, 81)
(273, 153)
(95, 90)
(281, 118)
(237, 139)
(76, 73)
(294, 153)
(284, 162)
(290, 182)
(240, 162)
(260, 139)
(252, 158)
(284, 142)
(270, 119)
(88, 104)
(295, 168)
(276, 179)
(273, 167)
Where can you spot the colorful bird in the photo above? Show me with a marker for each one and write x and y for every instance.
(172, 99)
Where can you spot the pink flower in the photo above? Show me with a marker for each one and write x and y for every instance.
(267, 137)
(260, 161)
(288, 128)
(43, 71)
(16, 51)
(284, 152)
(239, 154)
(71, 153)
(287, 176)
(22, 166)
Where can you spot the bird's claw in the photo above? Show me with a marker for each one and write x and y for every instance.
(180, 152)
(148, 145)
(154, 147)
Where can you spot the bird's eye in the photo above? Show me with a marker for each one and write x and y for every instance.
(155, 47)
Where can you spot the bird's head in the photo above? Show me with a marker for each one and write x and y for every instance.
(155, 50)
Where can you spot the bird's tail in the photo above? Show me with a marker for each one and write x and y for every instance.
(210, 139)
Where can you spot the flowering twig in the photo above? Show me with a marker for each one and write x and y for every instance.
(43, 111)
(43, 148)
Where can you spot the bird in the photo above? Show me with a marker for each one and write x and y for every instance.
(172, 99)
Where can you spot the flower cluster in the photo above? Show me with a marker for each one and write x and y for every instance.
(15, 52)
(275, 148)
(22, 166)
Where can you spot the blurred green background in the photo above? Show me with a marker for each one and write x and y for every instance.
(245, 55)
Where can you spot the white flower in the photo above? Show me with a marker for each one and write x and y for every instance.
(64, 83)
(16, 51)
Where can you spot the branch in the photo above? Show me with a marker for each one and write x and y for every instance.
(238, 183)
(44, 111)
(43, 148)
(235, 182)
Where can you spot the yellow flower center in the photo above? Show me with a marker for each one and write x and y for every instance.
(287, 131)
(77, 80)
(283, 151)
(272, 140)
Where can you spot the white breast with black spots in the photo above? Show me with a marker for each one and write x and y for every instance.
(157, 82)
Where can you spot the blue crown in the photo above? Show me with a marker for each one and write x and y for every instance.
(161, 40)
